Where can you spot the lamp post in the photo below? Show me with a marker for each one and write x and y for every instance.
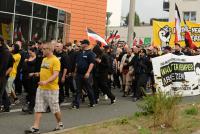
(131, 22)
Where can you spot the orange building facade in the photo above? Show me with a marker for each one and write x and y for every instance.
(84, 13)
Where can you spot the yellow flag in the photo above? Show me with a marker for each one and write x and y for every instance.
(6, 31)
(164, 33)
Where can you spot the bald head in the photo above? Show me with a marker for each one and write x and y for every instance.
(58, 47)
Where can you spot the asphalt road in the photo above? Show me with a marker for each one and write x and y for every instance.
(17, 122)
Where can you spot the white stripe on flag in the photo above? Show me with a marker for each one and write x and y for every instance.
(178, 24)
(97, 37)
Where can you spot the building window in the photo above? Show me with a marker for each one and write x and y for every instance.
(189, 16)
(7, 5)
(23, 7)
(38, 29)
(25, 21)
(6, 26)
(60, 31)
(62, 16)
(52, 14)
(39, 11)
(22, 28)
(51, 30)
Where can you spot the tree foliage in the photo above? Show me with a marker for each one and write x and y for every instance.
(136, 21)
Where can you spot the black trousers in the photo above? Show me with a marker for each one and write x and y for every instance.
(141, 83)
(116, 79)
(101, 83)
(61, 92)
(69, 85)
(4, 100)
(81, 83)
(18, 83)
(31, 90)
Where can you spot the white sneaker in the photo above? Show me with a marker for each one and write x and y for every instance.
(105, 97)
(60, 126)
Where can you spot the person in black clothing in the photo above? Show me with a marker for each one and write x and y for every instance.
(110, 57)
(64, 60)
(141, 65)
(18, 79)
(69, 80)
(100, 76)
(83, 74)
(6, 62)
(29, 69)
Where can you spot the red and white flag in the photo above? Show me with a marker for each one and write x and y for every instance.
(177, 25)
(94, 36)
(188, 40)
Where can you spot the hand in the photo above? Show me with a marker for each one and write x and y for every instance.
(63, 80)
(42, 83)
(86, 75)
(98, 60)
(31, 74)
(37, 74)
(26, 60)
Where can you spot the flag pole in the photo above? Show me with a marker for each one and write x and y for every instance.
(131, 22)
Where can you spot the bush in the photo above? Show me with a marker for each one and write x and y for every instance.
(123, 121)
(192, 111)
(162, 106)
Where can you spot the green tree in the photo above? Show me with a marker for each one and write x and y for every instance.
(136, 22)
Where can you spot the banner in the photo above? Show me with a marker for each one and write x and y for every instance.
(6, 31)
(164, 33)
(177, 74)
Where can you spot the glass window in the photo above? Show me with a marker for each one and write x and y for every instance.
(193, 16)
(186, 16)
(189, 16)
(38, 30)
(60, 31)
(52, 13)
(7, 5)
(62, 16)
(39, 11)
(22, 27)
(23, 7)
(6, 26)
(68, 18)
(51, 30)
(66, 33)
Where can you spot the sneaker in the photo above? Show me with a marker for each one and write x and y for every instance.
(32, 131)
(74, 107)
(60, 126)
(105, 97)
(3, 109)
(16, 101)
(91, 105)
(113, 101)
(135, 99)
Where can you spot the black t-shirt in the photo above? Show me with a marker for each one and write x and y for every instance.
(83, 60)
(4, 60)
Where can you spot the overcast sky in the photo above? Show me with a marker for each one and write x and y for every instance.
(146, 9)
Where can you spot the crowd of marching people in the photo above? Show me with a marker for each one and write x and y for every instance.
(85, 71)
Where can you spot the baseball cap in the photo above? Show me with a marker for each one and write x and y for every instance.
(85, 42)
